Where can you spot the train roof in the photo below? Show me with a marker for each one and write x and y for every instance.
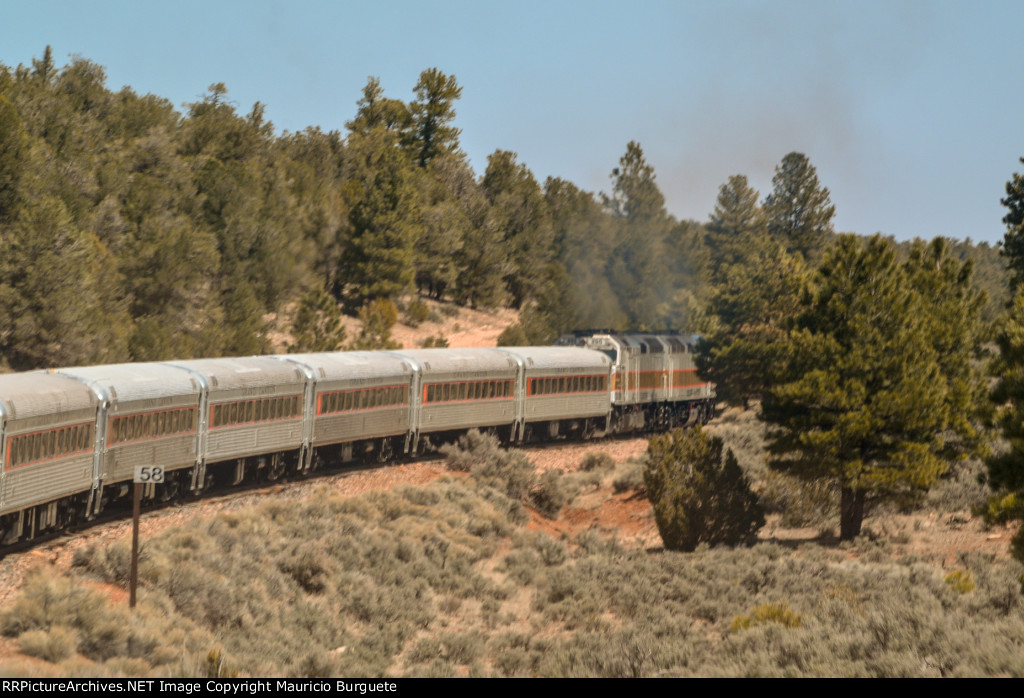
(246, 372)
(460, 360)
(352, 365)
(131, 382)
(41, 393)
(546, 358)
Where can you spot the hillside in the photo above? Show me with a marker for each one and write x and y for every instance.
(412, 570)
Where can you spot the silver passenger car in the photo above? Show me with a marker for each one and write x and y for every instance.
(464, 388)
(149, 416)
(565, 383)
(254, 407)
(47, 441)
(358, 396)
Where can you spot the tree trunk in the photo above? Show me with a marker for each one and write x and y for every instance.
(851, 513)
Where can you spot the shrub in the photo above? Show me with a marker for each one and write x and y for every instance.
(698, 495)
(960, 581)
(416, 313)
(597, 460)
(479, 454)
(53, 645)
(551, 495)
(438, 341)
(779, 613)
(629, 477)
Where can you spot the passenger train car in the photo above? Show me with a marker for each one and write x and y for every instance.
(71, 438)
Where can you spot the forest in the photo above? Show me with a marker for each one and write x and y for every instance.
(131, 231)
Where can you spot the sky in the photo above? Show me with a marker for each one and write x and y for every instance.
(910, 111)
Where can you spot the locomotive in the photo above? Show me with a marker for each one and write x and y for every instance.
(71, 438)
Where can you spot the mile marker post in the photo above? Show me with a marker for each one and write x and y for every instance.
(144, 475)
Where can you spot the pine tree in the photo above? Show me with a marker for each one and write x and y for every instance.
(1013, 240)
(864, 401)
(317, 324)
(752, 306)
(1005, 472)
(433, 111)
(521, 212)
(636, 267)
(384, 219)
(799, 209)
(60, 310)
(737, 228)
(12, 157)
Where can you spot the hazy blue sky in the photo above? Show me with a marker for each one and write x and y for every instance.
(911, 111)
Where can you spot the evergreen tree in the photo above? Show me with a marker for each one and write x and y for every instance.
(636, 268)
(799, 209)
(445, 223)
(377, 111)
(521, 212)
(864, 401)
(699, 495)
(1005, 472)
(1013, 240)
(584, 239)
(384, 219)
(317, 324)
(433, 112)
(12, 157)
(753, 307)
(737, 229)
(60, 310)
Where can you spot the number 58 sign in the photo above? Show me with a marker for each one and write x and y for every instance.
(146, 474)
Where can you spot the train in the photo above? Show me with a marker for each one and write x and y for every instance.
(72, 438)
